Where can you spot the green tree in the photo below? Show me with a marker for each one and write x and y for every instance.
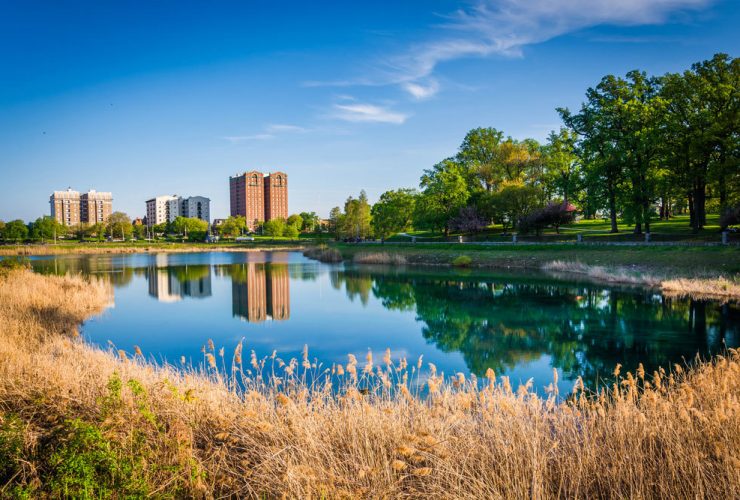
(140, 231)
(310, 221)
(703, 109)
(561, 164)
(357, 217)
(192, 227)
(444, 192)
(233, 226)
(600, 147)
(46, 228)
(15, 230)
(512, 202)
(119, 225)
(336, 220)
(2, 229)
(274, 227)
(393, 212)
(483, 157)
(295, 220)
(291, 231)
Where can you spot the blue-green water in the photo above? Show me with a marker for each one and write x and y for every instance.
(521, 325)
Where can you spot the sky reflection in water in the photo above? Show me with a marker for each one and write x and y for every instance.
(521, 325)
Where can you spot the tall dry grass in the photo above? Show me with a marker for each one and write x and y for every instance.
(379, 258)
(324, 253)
(699, 287)
(665, 435)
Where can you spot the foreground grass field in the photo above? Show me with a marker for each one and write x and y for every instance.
(78, 422)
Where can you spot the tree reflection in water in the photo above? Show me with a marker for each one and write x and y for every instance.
(584, 329)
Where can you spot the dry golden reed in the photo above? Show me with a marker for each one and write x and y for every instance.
(723, 288)
(673, 434)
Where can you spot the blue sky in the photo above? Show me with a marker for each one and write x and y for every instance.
(155, 97)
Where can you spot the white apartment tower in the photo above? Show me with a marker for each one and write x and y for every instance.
(196, 206)
(158, 209)
(167, 208)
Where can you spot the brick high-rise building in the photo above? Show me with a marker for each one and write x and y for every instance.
(247, 194)
(70, 208)
(95, 207)
(276, 196)
(259, 198)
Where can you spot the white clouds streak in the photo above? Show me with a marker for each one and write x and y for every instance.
(235, 139)
(279, 127)
(359, 112)
(505, 27)
(270, 132)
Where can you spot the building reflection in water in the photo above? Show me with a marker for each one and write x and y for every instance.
(260, 291)
(172, 283)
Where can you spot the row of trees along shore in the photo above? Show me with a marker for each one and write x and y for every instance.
(120, 226)
(640, 147)
(47, 228)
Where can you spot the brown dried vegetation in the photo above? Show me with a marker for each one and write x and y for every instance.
(191, 433)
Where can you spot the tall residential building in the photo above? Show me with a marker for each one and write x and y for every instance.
(276, 196)
(95, 207)
(167, 208)
(70, 208)
(196, 206)
(158, 209)
(259, 198)
(65, 207)
(247, 194)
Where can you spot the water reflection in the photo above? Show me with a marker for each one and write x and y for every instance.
(259, 291)
(518, 324)
(585, 330)
(174, 283)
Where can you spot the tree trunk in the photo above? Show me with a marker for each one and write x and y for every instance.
(692, 216)
(700, 198)
(646, 214)
(613, 210)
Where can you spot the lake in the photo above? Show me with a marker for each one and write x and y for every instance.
(520, 324)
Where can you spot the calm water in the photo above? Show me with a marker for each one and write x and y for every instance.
(521, 325)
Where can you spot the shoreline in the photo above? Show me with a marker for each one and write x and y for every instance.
(86, 421)
(38, 250)
(632, 267)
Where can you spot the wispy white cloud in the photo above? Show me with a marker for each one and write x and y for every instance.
(505, 28)
(275, 128)
(234, 139)
(421, 91)
(360, 112)
(270, 131)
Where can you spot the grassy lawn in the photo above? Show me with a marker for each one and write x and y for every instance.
(668, 260)
(675, 229)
